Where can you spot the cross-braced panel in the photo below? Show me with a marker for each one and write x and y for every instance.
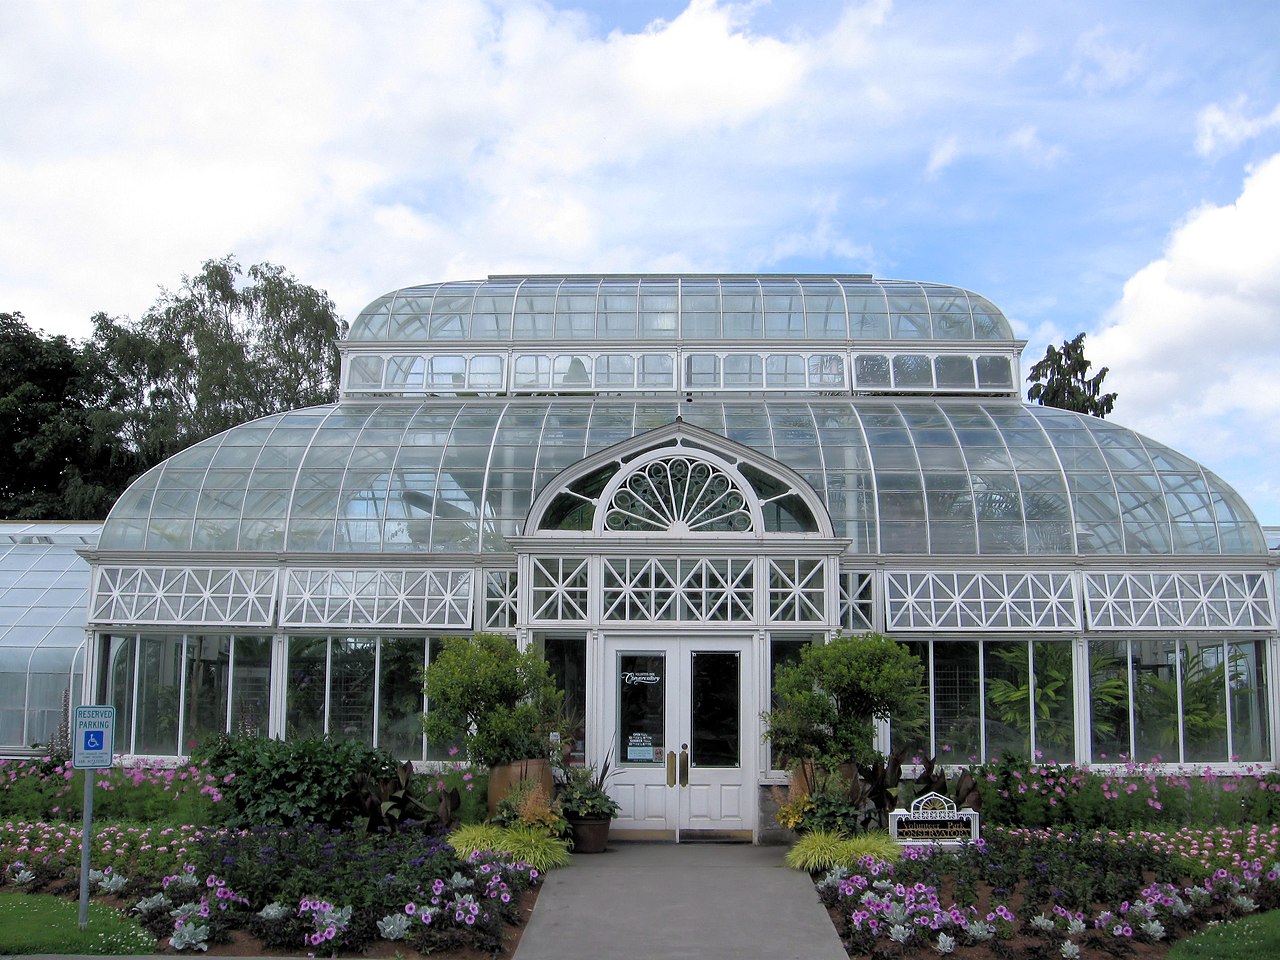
(797, 591)
(325, 597)
(688, 589)
(559, 589)
(230, 596)
(981, 601)
(679, 494)
(500, 600)
(1179, 601)
(857, 596)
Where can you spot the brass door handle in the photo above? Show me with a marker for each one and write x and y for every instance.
(684, 765)
(671, 768)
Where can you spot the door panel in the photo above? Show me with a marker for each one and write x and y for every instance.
(681, 710)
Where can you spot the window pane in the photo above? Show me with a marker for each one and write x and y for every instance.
(567, 657)
(159, 682)
(1249, 718)
(120, 660)
(304, 709)
(1008, 690)
(1109, 699)
(1155, 695)
(1055, 701)
(208, 677)
(957, 700)
(716, 717)
(910, 726)
(400, 697)
(251, 686)
(642, 727)
(351, 686)
(1204, 707)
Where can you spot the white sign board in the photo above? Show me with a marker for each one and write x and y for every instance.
(93, 737)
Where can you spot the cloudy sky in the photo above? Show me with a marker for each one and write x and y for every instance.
(1087, 165)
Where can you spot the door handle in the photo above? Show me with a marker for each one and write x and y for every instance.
(684, 765)
(671, 768)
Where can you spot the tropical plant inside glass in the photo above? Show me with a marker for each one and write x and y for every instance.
(1052, 693)
(1200, 710)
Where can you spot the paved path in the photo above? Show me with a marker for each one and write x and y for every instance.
(666, 901)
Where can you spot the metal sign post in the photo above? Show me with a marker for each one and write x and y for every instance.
(93, 739)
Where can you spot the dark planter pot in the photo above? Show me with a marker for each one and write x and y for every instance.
(590, 834)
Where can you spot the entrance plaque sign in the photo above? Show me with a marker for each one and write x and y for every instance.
(934, 820)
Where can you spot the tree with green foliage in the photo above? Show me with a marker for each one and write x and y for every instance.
(828, 699)
(1062, 380)
(57, 466)
(228, 346)
(502, 702)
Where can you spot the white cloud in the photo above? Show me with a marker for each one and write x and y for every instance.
(1194, 343)
(1220, 128)
(1099, 65)
(942, 155)
(1026, 141)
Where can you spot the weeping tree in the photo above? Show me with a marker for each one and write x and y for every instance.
(1062, 380)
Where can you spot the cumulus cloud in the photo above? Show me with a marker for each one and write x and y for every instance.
(1194, 343)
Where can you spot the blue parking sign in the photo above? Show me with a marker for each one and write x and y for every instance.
(94, 737)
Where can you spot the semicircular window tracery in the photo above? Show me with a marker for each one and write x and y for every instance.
(679, 494)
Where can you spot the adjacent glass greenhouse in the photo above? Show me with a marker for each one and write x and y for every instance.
(668, 484)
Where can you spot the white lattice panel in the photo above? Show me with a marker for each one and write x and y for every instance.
(326, 597)
(981, 601)
(559, 589)
(500, 600)
(685, 589)
(857, 601)
(797, 591)
(195, 596)
(1179, 601)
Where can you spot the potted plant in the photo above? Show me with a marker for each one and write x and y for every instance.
(587, 806)
(501, 702)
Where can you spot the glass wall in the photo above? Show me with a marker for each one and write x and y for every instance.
(1179, 700)
(986, 698)
(173, 691)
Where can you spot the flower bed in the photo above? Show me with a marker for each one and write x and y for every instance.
(300, 891)
(1041, 893)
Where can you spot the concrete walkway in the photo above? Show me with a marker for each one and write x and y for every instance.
(666, 901)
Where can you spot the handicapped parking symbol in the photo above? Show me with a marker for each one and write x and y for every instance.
(93, 739)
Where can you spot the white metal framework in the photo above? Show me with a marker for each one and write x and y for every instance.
(325, 596)
(1145, 600)
(919, 600)
(225, 596)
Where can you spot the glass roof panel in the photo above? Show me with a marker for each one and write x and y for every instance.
(992, 476)
(730, 307)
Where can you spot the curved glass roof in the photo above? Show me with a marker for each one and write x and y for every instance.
(917, 476)
(44, 589)
(735, 308)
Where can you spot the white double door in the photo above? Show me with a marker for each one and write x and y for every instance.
(680, 721)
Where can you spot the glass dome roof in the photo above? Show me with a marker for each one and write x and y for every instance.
(737, 308)
(902, 477)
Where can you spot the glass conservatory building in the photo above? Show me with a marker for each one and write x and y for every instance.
(668, 484)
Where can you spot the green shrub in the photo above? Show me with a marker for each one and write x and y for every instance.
(294, 782)
(873, 843)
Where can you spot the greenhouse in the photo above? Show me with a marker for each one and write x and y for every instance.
(668, 484)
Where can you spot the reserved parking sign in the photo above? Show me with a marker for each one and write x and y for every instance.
(93, 737)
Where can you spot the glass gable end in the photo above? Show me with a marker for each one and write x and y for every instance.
(938, 477)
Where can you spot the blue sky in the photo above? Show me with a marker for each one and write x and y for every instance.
(1097, 166)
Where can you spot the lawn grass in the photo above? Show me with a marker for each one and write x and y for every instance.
(1253, 938)
(42, 923)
